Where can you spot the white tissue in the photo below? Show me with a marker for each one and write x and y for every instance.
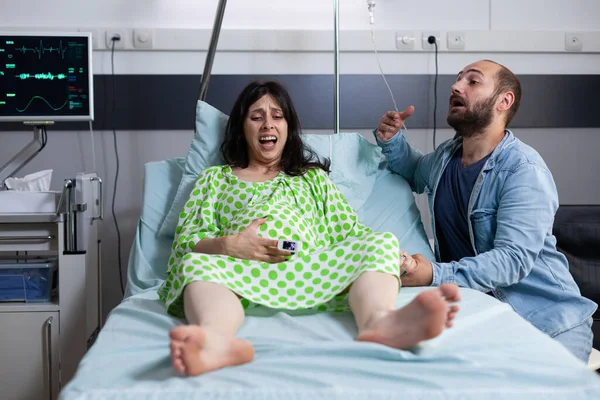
(36, 182)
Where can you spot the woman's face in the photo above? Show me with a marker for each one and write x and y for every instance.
(266, 130)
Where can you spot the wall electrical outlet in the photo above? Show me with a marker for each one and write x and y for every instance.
(424, 40)
(455, 40)
(573, 41)
(119, 44)
(143, 38)
(405, 40)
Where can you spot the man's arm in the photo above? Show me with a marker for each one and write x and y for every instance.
(528, 202)
(403, 159)
(406, 161)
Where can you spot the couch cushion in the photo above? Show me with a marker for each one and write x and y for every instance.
(577, 230)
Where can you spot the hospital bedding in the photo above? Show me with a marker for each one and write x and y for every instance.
(490, 353)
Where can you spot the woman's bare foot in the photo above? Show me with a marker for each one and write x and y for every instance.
(196, 350)
(423, 318)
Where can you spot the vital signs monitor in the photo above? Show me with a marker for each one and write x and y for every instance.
(46, 77)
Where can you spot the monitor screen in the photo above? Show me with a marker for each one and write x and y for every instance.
(46, 77)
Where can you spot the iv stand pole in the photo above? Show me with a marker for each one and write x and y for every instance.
(336, 65)
(211, 49)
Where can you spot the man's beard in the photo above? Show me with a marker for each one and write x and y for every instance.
(473, 120)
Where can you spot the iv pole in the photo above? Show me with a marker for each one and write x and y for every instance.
(210, 56)
(336, 65)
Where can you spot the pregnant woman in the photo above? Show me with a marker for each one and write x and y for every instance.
(225, 254)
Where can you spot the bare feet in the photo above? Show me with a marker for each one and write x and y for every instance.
(195, 350)
(423, 318)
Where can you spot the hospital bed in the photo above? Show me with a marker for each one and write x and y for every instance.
(489, 353)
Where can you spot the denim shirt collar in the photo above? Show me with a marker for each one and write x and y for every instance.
(506, 141)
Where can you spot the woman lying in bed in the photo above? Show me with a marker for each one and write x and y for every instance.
(272, 189)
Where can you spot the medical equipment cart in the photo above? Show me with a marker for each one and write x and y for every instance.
(42, 341)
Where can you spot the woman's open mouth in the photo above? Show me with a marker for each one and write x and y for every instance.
(267, 142)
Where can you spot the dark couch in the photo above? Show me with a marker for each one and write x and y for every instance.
(577, 230)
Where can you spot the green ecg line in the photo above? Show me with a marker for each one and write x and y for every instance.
(42, 76)
(45, 101)
(61, 50)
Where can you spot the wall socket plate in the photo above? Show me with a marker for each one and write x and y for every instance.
(425, 44)
(119, 44)
(405, 40)
(455, 40)
(143, 38)
(573, 41)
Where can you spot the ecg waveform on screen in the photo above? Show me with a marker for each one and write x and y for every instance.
(45, 101)
(44, 76)
(40, 50)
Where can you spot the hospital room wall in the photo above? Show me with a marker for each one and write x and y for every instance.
(531, 15)
(571, 153)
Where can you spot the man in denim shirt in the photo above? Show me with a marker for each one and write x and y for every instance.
(492, 200)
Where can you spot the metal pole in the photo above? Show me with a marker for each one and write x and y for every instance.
(212, 49)
(23, 157)
(336, 66)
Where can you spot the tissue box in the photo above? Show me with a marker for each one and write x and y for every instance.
(12, 201)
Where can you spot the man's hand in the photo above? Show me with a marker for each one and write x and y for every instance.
(407, 263)
(391, 122)
(421, 275)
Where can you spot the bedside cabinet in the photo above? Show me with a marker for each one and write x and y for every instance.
(50, 300)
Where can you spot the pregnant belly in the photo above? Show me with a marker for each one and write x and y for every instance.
(284, 222)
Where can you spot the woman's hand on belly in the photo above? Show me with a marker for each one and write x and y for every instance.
(247, 245)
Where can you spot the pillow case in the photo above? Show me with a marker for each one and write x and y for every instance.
(203, 152)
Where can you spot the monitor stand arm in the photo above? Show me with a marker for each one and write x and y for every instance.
(23, 157)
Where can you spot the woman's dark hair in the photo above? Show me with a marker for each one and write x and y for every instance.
(296, 158)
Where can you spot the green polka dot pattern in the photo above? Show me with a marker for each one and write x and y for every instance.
(336, 248)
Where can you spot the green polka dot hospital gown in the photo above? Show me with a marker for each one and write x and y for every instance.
(336, 248)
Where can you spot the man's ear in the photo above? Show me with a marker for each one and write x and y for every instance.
(507, 99)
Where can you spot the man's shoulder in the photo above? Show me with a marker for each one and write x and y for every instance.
(517, 154)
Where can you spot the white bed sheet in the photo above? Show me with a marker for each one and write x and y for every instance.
(490, 353)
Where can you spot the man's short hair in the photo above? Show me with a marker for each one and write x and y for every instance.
(506, 81)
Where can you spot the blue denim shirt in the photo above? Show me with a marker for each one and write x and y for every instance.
(511, 214)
